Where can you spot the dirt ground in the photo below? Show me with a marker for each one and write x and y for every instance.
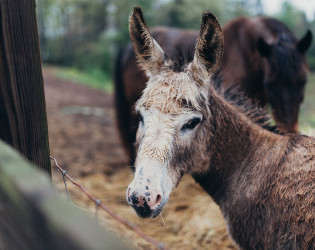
(84, 140)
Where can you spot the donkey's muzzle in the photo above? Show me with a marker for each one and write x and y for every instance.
(147, 205)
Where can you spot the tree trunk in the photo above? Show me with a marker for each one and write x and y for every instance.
(23, 119)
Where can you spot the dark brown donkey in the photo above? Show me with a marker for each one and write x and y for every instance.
(264, 57)
(263, 182)
(261, 55)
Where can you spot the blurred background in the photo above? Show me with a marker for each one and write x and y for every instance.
(85, 35)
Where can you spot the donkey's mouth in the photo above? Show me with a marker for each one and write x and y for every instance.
(157, 212)
(145, 211)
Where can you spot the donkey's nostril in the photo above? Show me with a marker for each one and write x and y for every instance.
(158, 199)
(155, 202)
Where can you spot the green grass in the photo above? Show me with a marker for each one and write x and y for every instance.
(307, 111)
(94, 78)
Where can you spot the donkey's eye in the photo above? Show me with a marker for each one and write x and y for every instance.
(140, 118)
(191, 124)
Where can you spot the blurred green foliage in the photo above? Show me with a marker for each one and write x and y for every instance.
(296, 20)
(93, 78)
(87, 34)
(307, 111)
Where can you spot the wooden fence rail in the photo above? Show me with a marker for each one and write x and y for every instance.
(34, 216)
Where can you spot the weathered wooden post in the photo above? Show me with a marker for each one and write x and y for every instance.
(23, 120)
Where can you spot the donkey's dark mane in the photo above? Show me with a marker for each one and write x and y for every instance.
(290, 60)
(234, 95)
(249, 107)
(283, 54)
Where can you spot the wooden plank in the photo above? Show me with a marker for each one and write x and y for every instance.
(34, 216)
(23, 121)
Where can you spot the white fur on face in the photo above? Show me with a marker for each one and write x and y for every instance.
(158, 129)
(166, 93)
(156, 135)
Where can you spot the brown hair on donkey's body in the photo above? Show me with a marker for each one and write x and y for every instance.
(262, 181)
(261, 55)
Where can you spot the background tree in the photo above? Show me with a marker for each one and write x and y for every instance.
(186, 14)
(23, 119)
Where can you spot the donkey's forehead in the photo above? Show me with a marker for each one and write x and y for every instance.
(173, 93)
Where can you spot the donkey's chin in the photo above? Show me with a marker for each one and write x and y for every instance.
(146, 212)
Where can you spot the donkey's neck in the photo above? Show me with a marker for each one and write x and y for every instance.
(237, 146)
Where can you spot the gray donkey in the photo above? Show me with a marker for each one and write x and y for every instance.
(264, 182)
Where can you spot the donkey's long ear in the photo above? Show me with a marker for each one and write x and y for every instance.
(209, 48)
(305, 42)
(150, 55)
